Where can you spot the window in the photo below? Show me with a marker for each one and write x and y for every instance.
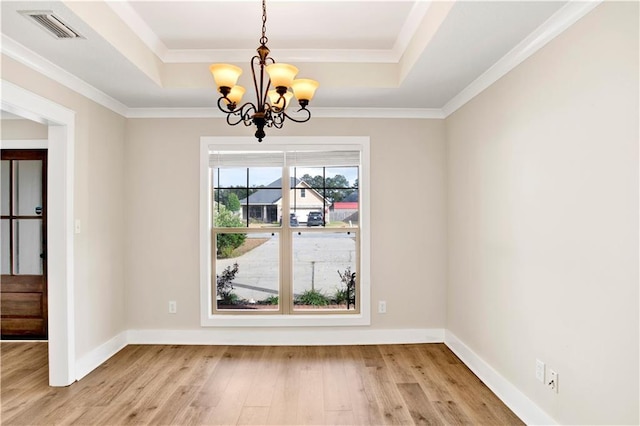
(284, 232)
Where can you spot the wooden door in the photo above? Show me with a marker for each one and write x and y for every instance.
(23, 289)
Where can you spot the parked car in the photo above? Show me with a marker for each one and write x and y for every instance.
(293, 220)
(315, 219)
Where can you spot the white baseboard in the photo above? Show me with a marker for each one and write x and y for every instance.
(102, 353)
(286, 337)
(92, 360)
(513, 398)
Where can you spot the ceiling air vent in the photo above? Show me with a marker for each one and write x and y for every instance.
(51, 24)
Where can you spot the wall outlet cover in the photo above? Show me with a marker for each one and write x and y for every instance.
(552, 381)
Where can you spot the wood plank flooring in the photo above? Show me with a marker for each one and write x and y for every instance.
(252, 385)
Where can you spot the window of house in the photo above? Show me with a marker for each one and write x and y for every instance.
(285, 233)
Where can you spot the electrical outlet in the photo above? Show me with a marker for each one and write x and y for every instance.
(382, 307)
(173, 307)
(552, 381)
(540, 370)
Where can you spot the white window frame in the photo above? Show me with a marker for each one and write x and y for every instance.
(285, 143)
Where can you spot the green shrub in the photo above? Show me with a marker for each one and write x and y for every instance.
(231, 299)
(313, 298)
(227, 243)
(341, 296)
(233, 203)
(271, 300)
(226, 250)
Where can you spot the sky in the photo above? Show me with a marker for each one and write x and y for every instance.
(259, 176)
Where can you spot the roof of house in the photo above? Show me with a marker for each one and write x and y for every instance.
(270, 194)
(339, 205)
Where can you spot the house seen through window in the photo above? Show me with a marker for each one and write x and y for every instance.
(286, 235)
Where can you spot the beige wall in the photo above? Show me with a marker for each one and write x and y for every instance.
(98, 193)
(408, 257)
(22, 129)
(543, 221)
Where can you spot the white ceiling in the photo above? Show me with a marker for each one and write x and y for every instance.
(365, 54)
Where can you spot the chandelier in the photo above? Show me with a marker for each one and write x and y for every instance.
(271, 105)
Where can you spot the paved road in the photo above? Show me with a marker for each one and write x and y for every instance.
(317, 259)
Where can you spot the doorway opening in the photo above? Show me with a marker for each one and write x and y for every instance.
(23, 295)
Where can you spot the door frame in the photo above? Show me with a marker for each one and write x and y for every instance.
(60, 274)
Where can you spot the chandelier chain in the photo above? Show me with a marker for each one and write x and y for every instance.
(264, 39)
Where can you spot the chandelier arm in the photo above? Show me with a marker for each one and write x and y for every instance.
(256, 61)
(240, 115)
(230, 116)
(268, 117)
(247, 112)
(278, 118)
(303, 120)
(264, 94)
(261, 90)
(226, 109)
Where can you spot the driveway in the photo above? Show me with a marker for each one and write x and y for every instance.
(317, 259)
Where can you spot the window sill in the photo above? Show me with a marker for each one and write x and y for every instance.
(231, 320)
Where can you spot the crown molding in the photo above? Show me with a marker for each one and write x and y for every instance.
(373, 56)
(15, 50)
(550, 29)
(131, 18)
(174, 113)
(421, 113)
(377, 113)
(410, 27)
(34, 61)
(555, 25)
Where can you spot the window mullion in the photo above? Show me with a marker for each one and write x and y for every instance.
(286, 266)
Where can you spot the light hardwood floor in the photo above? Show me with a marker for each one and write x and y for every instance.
(276, 385)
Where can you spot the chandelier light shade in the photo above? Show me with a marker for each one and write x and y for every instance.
(271, 104)
(281, 75)
(225, 75)
(276, 100)
(303, 88)
(235, 95)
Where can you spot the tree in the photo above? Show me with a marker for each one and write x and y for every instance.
(233, 203)
(221, 195)
(334, 188)
(315, 181)
(338, 181)
(342, 190)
